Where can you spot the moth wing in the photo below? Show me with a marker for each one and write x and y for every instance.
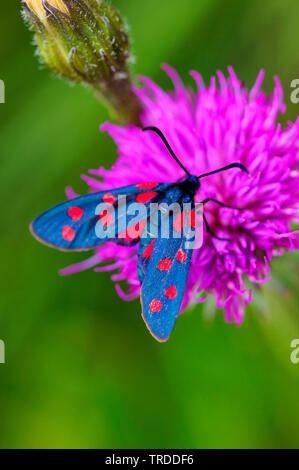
(163, 267)
(88, 221)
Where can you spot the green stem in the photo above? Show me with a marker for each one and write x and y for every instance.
(124, 105)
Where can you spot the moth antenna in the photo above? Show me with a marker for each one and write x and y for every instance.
(162, 136)
(210, 231)
(228, 167)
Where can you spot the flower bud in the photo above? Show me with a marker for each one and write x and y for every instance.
(85, 41)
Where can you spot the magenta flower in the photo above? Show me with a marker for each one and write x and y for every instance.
(208, 129)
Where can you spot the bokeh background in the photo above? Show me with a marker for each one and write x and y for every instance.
(81, 368)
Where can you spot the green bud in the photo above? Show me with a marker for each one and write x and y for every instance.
(85, 41)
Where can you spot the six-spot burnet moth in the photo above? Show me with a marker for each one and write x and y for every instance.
(163, 261)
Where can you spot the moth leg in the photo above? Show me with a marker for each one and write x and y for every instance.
(210, 231)
(210, 199)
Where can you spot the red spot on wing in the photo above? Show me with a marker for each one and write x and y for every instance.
(192, 219)
(178, 223)
(165, 264)
(155, 306)
(133, 232)
(68, 233)
(108, 198)
(75, 213)
(145, 197)
(106, 218)
(147, 185)
(149, 250)
(171, 292)
(181, 256)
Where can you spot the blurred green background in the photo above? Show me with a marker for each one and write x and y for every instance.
(81, 368)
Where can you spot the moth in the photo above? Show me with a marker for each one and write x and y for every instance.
(163, 262)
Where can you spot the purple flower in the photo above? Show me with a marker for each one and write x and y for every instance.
(207, 129)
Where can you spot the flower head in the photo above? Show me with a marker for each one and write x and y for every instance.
(86, 42)
(210, 128)
(83, 41)
(40, 11)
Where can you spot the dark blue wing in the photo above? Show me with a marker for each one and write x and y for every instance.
(163, 268)
(88, 221)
